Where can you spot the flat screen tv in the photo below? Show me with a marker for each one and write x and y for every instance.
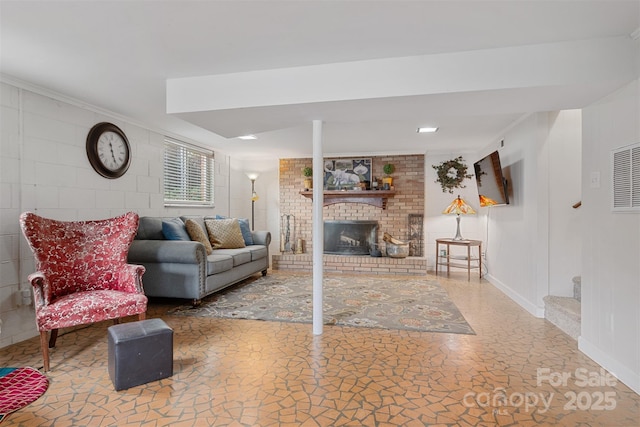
(492, 186)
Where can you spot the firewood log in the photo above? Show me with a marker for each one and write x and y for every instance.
(390, 239)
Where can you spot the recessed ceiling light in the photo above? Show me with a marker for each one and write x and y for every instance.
(427, 130)
(247, 137)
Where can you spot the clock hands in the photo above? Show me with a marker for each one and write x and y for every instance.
(112, 155)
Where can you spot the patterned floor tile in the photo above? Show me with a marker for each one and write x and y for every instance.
(230, 372)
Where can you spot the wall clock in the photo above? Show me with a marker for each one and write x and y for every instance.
(108, 150)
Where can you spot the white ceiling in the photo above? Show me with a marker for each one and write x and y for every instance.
(119, 55)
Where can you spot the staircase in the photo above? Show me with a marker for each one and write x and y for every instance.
(564, 312)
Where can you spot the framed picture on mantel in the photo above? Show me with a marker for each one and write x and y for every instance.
(347, 174)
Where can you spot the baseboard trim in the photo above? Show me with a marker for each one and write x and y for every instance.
(519, 299)
(627, 376)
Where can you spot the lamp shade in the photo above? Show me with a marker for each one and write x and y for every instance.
(459, 207)
(485, 201)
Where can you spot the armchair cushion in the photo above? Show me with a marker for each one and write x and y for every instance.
(81, 308)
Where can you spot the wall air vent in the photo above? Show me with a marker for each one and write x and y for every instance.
(625, 165)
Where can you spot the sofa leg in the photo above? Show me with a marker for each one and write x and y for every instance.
(195, 303)
(264, 273)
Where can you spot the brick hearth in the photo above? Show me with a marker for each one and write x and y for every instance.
(352, 264)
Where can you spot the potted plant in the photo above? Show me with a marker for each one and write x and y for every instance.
(307, 172)
(388, 169)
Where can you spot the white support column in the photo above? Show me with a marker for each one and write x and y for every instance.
(317, 227)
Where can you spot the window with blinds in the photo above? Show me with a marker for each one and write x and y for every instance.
(626, 178)
(188, 175)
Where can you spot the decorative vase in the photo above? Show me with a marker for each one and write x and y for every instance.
(308, 183)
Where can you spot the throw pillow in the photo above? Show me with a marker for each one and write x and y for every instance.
(174, 229)
(244, 228)
(224, 233)
(246, 231)
(197, 234)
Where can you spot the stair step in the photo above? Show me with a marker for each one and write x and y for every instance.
(563, 312)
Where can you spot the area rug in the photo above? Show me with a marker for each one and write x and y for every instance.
(391, 303)
(20, 387)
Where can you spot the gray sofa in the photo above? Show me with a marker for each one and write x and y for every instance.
(182, 269)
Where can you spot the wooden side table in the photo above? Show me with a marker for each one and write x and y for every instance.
(458, 261)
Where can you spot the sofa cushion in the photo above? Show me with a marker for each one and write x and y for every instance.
(197, 234)
(174, 229)
(217, 263)
(150, 228)
(240, 256)
(224, 233)
(244, 228)
(257, 252)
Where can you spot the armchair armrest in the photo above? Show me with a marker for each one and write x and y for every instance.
(261, 237)
(41, 288)
(159, 251)
(130, 279)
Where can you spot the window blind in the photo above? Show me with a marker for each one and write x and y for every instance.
(188, 174)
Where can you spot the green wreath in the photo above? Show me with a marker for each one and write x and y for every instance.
(451, 173)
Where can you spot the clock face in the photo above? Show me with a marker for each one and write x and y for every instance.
(112, 150)
(108, 150)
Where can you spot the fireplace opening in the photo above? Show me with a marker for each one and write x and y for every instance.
(350, 237)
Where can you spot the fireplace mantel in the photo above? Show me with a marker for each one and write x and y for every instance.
(371, 197)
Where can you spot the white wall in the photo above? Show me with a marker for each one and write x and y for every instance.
(44, 169)
(266, 208)
(516, 235)
(565, 189)
(533, 245)
(538, 243)
(438, 225)
(611, 242)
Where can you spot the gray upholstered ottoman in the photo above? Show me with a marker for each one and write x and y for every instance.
(140, 352)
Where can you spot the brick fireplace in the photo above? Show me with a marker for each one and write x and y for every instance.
(397, 217)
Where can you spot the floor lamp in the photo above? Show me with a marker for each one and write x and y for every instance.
(254, 197)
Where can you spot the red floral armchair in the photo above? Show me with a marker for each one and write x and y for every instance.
(82, 273)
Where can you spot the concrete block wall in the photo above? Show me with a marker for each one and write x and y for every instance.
(44, 169)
